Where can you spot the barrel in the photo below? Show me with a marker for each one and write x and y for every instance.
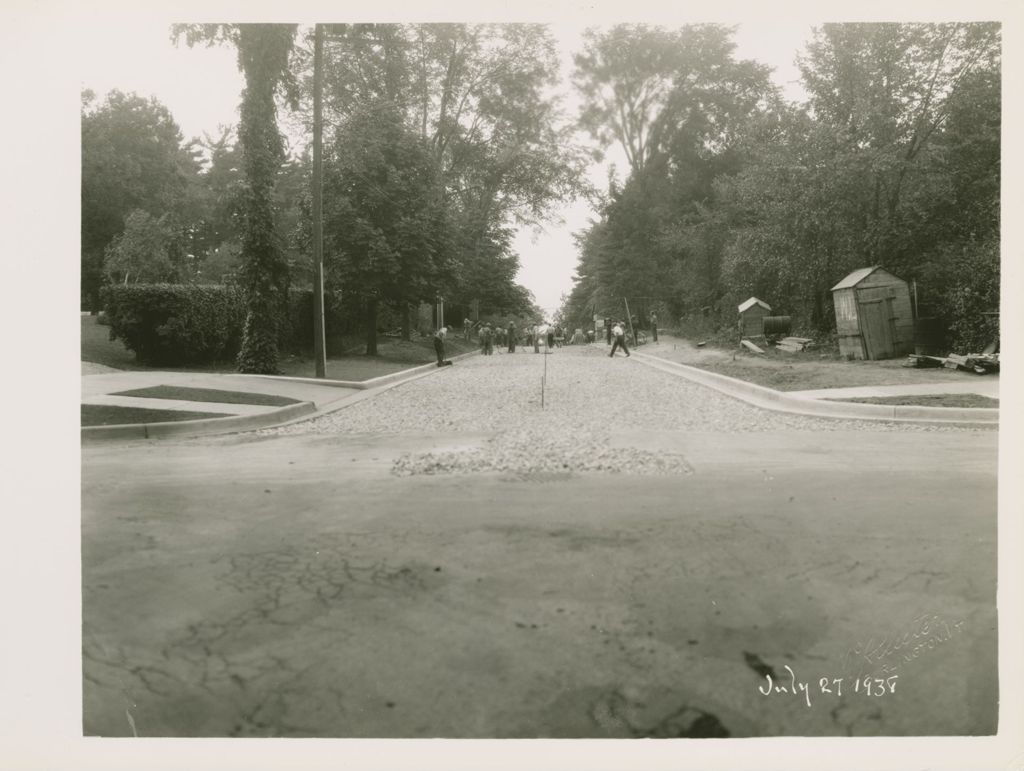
(929, 337)
(777, 325)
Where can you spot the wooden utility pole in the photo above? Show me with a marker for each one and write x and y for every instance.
(319, 333)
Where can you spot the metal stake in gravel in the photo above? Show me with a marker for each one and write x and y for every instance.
(544, 377)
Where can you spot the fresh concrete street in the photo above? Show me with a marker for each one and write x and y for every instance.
(644, 557)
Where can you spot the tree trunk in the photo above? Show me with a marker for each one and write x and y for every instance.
(371, 327)
(406, 322)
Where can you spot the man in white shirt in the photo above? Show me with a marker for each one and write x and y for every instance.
(618, 338)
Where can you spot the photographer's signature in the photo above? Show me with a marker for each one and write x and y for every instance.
(886, 653)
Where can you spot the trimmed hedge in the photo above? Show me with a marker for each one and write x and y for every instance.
(174, 325)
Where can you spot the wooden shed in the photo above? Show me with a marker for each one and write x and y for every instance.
(874, 317)
(752, 313)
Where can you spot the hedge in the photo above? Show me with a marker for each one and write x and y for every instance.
(182, 324)
(176, 324)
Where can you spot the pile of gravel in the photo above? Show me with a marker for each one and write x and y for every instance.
(587, 396)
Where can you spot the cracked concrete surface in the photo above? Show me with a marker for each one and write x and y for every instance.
(296, 587)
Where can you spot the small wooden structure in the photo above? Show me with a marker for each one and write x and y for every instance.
(752, 313)
(874, 317)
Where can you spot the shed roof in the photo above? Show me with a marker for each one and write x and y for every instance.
(857, 276)
(752, 302)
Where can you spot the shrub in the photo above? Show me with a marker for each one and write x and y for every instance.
(176, 324)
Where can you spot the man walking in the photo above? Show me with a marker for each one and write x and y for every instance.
(511, 337)
(467, 328)
(619, 335)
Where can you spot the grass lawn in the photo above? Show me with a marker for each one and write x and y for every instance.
(938, 400)
(393, 355)
(208, 395)
(109, 415)
(804, 371)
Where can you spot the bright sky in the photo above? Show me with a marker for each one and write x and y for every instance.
(201, 88)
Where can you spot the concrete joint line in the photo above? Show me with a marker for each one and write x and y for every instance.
(779, 401)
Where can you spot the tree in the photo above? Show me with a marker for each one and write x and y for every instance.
(385, 229)
(149, 250)
(133, 158)
(640, 84)
(895, 161)
(479, 98)
(263, 51)
(682, 109)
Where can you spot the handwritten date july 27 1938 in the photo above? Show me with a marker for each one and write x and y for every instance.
(869, 686)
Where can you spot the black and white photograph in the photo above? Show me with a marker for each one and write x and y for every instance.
(578, 373)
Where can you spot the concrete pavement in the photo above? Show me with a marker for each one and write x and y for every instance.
(296, 587)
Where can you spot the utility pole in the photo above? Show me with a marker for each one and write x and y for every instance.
(319, 334)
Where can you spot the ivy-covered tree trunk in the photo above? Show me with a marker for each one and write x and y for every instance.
(371, 327)
(263, 57)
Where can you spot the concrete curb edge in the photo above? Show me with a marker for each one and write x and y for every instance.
(779, 401)
(202, 426)
(292, 413)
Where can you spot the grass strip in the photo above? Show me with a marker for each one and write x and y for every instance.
(110, 415)
(208, 395)
(934, 400)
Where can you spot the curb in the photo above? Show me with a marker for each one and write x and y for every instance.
(779, 401)
(291, 413)
(199, 427)
(365, 385)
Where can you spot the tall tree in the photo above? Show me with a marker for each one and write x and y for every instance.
(480, 98)
(386, 230)
(133, 158)
(682, 108)
(263, 51)
(640, 83)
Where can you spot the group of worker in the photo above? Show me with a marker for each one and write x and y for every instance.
(491, 334)
(551, 336)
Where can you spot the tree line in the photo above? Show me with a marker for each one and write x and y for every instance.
(893, 159)
(440, 140)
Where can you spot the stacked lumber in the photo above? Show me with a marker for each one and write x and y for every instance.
(794, 344)
(979, 363)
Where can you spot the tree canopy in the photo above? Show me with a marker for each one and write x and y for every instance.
(893, 160)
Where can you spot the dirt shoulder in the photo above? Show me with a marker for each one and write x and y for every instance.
(803, 371)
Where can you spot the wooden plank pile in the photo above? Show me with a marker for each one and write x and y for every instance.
(794, 344)
(979, 363)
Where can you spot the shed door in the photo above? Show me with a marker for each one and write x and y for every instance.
(876, 328)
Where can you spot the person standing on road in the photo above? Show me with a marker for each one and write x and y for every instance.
(439, 347)
(619, 333)
(467, 328)
(654, 326)
(511, 337)
(487, 339)
(608, 331)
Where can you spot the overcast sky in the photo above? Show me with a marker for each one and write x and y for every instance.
(201, 87)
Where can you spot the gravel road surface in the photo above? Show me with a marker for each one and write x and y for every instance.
(587, 398)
